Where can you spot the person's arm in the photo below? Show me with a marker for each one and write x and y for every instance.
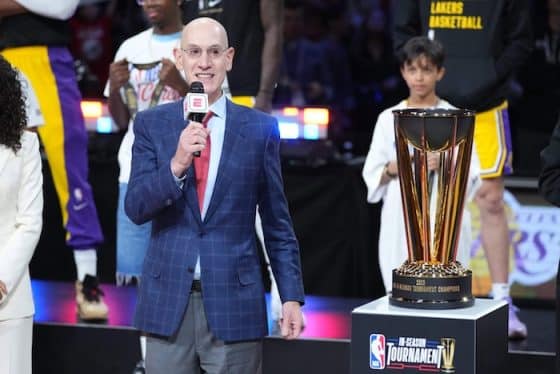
(272, 21)
(11, 7)
(59, 9)
(518, 38)
(549, 178)
(153, 186)
(118, 109)
(170, 76)
(280, 240)
(118, 77)
(150, 188)
(20, 244)
(406, 21)
(380, 166)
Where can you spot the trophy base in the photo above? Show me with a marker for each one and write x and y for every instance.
(434, 287)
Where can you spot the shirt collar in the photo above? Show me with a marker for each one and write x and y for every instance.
(219, 107)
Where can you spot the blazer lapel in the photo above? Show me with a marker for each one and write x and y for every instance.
(235, 122)
(177, 122)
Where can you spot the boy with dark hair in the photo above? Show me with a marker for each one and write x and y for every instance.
(421, 63)
(419, 47)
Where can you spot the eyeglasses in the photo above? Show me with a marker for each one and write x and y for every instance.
(196, 52)
(142, 2)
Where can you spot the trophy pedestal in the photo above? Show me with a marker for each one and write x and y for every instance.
(403, 340)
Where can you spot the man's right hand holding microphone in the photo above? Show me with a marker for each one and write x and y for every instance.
(194, 137)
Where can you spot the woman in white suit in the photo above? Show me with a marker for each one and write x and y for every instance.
(21, 205)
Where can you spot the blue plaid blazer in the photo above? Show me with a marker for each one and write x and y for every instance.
(249, 174)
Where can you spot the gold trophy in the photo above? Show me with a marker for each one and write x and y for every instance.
(433, 201)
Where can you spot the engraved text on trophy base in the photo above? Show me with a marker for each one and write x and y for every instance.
(432, 286)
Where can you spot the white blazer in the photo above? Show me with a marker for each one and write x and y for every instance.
(21, 219)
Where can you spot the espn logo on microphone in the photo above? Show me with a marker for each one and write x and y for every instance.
(196, 103)
(377, 351)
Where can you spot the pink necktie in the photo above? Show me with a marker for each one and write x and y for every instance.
(201, 165)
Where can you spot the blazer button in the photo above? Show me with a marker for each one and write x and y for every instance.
(168, 202)
(201, 234)
(190, 269)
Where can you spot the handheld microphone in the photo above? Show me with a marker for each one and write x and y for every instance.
(195, 105)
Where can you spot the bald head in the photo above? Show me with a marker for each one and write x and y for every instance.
(204, 55)
(206, 24)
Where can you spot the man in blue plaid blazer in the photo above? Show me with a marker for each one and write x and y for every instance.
(201, 299)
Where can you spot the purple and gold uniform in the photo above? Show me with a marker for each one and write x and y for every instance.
(40, 53)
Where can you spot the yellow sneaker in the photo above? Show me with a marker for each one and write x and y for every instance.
(89, 300)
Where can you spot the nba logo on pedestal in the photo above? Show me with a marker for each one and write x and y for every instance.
(377, 351)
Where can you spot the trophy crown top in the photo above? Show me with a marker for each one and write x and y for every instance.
(433, 112)
(434, 129)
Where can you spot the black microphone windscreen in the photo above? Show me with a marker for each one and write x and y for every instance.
(197, 87)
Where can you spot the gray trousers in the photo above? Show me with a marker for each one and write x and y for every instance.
(194, 349)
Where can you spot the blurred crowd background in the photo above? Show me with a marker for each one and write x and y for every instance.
(338, 53)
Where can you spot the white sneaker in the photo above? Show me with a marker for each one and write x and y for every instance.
(516, 328)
